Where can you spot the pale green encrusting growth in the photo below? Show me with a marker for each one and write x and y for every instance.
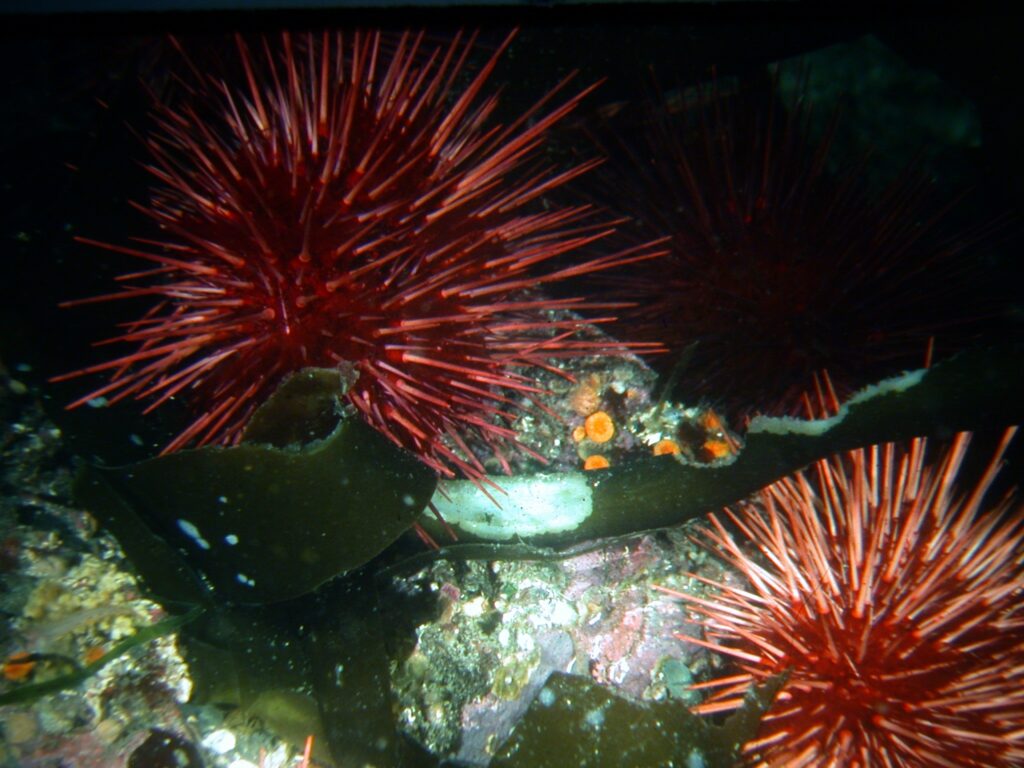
(532, 505)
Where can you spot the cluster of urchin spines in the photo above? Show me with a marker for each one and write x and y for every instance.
(891, 602)
(349, 204)
(783, 262)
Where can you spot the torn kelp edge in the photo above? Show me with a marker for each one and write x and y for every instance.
(976, 389)
(782, 425)
(266, 521)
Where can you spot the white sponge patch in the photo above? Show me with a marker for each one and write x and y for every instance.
(531, 505)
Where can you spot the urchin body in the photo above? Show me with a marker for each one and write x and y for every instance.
(891, 603)
(351, 206)
(780, 268)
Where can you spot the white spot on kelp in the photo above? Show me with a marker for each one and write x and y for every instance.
(190, 530)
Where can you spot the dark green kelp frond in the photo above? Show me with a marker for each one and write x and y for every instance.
(262, 523)
(972, 391)
(574, 721)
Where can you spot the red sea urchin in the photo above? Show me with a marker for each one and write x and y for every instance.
(351, 205)
(780, 267)
(892, 603)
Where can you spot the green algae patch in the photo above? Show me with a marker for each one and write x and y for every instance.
(575, 722)
(266, 522)
(292, 716)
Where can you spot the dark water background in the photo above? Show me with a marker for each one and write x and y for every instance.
(75, 98)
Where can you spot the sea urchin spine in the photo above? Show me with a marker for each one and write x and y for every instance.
(780, 269)
(892, 603)
(352, 206)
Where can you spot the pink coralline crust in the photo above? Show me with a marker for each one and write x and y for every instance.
(86, 748)
(354, 202)
(632, 629)
(83, 750)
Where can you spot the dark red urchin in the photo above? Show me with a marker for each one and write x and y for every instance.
(893, 604)
(348, 205)
(780, 267)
